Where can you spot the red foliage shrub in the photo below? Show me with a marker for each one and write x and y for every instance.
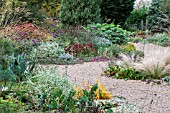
(80, 48)
(29, 31)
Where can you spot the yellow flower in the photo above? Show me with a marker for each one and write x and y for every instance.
(100, 93)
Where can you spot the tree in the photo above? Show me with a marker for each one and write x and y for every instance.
(159, 16)
(75, 12)
(116, 10)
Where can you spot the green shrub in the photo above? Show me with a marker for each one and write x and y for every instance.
(47, 50)
(159, 16)
(162, 39)
(6, 50)
(136, 39)
(6, 46)
(116, 10)
(15, 69)
(80, 11)
(167, 79)
(102, 42)
(35, 14)
(10, 105)
(129, 47)
(49, 90)
(122, 73)
(109, 31)
(114, 50)
(137, 19)
(24, 46)
(52, 7)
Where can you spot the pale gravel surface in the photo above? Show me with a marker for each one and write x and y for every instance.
(151, 97)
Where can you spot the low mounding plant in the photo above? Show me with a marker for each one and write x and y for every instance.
(153, 68)
(162, 39)
(10, 105)
(129, 47)
(81, 49)
(6, 46)
(47, 50)
(28, 31)
(102, 42)
(122, 73)
(100, 93)
(129, 57)
(66, 57)
(50, 91)
(16, 69)
(89, 94)
(109, 31)
(156, 67)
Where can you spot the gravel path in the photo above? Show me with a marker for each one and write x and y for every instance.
(152, 98)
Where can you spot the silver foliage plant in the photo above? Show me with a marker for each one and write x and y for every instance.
(47, 50)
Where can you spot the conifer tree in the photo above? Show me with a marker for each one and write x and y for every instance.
(159, 16)
(116, 10)
(75, 12)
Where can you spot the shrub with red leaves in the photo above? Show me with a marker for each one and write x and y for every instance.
(30, 32)
(80, 48)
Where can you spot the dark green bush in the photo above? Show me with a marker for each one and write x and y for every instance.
(6, 49)
(137, 19)
(159, 16)
(116, 10)
(80, 11)
(6, 46)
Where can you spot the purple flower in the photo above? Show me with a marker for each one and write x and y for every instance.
(26, 33)
(55, 35)
(35, 41)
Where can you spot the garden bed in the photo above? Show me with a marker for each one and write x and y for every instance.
(153, 98)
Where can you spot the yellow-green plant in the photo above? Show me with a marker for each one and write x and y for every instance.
(11, 12)
(52, 7)
(129, 47)
(10, 105)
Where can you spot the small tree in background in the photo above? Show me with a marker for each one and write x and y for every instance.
(159, 15)
(74, 12)
(116, 10)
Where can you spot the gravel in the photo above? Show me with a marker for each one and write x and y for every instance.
(152, 98)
